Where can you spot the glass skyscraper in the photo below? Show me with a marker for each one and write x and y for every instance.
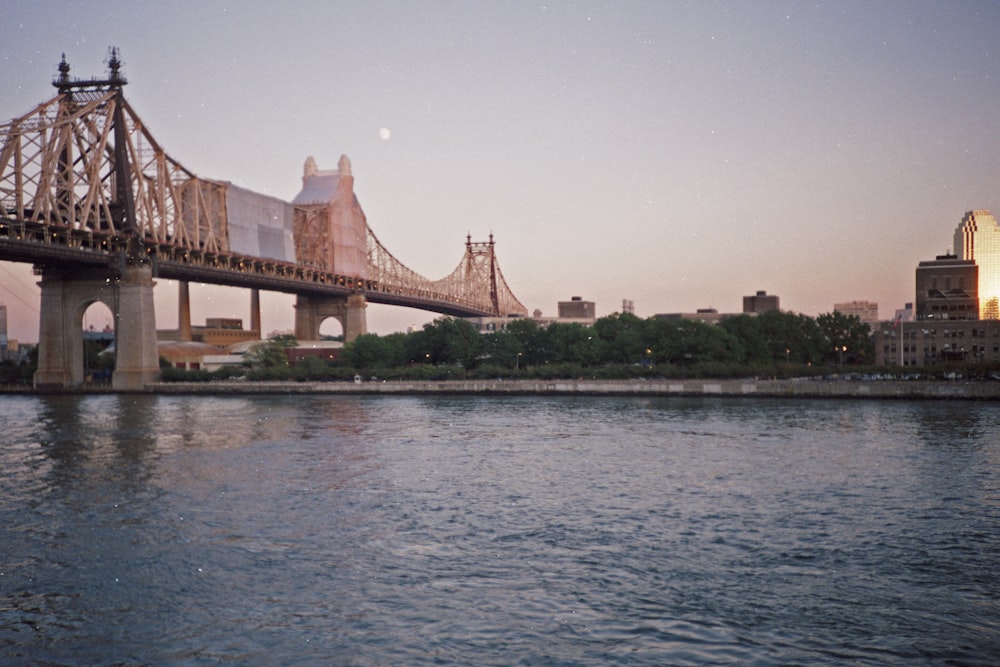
(978, 238)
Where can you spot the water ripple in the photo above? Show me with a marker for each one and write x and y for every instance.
(522, 531)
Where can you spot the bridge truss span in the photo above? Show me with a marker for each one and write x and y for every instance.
(59, 166)
(83, 181)
(476, 286)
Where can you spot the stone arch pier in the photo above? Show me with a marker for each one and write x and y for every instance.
(65, 298)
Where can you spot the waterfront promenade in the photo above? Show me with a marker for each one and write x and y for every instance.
(881, 389)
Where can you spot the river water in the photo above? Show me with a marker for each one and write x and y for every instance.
(338, 530)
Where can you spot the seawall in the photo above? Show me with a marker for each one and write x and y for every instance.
(882, 389)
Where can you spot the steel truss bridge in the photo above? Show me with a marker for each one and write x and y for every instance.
(83, 183)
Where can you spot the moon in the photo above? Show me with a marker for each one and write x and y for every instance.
(384, 134)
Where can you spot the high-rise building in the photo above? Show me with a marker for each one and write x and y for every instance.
(978, 238)
(947, 289)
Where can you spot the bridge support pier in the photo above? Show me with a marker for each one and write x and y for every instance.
(183, 311)
(310, 311)
(60, 331)
(255, 312)
(64, 301)
(137, 362)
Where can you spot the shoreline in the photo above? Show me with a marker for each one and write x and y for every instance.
(794, 388)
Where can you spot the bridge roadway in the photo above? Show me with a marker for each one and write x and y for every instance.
(55, 245)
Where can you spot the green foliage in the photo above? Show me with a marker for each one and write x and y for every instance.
(271, 354)
(311, 368)
(19, 372)
(775, 337)
(622, 338)
(532, 342)
(619, 346)
(847, 338)
(445, 341)
(500, 350)
(370, 351)
(690, 342)
(10, 372)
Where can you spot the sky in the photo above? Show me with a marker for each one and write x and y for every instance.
(678, 154)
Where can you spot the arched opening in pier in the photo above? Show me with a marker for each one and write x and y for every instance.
(98, 325)
(331, 329)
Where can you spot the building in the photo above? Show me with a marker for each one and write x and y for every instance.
(947, 289)
(707, 315)
(187, 355)
(577, 309)
(978, 239)
(493, 324)
(928, 342)
(218, 331)
(325, 350)
(574, 311)
(866, 311)
(904, 314)
(761, 302)
(946, 326)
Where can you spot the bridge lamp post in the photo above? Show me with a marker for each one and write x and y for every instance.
(517, 361)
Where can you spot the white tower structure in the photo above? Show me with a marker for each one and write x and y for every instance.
(978, 238)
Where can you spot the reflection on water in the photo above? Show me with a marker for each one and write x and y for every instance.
(464, 530)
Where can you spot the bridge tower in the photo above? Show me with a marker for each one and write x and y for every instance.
(310, 311)
(127, 290)
(331, 233)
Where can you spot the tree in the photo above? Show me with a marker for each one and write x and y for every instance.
(271, 353)
(791, 337)
(446, 340)
(622, 338)
(571, 342)
(747, 331)
(502, 349)
(708, 343)
(687, 342)
(845, 338)
(532, 341)
(372, 351)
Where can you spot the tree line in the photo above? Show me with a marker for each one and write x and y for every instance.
(737, 344)
(618, 345)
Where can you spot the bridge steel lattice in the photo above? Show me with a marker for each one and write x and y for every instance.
(85, 185)
(58, 168)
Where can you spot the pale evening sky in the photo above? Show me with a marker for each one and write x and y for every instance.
(681, 155)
